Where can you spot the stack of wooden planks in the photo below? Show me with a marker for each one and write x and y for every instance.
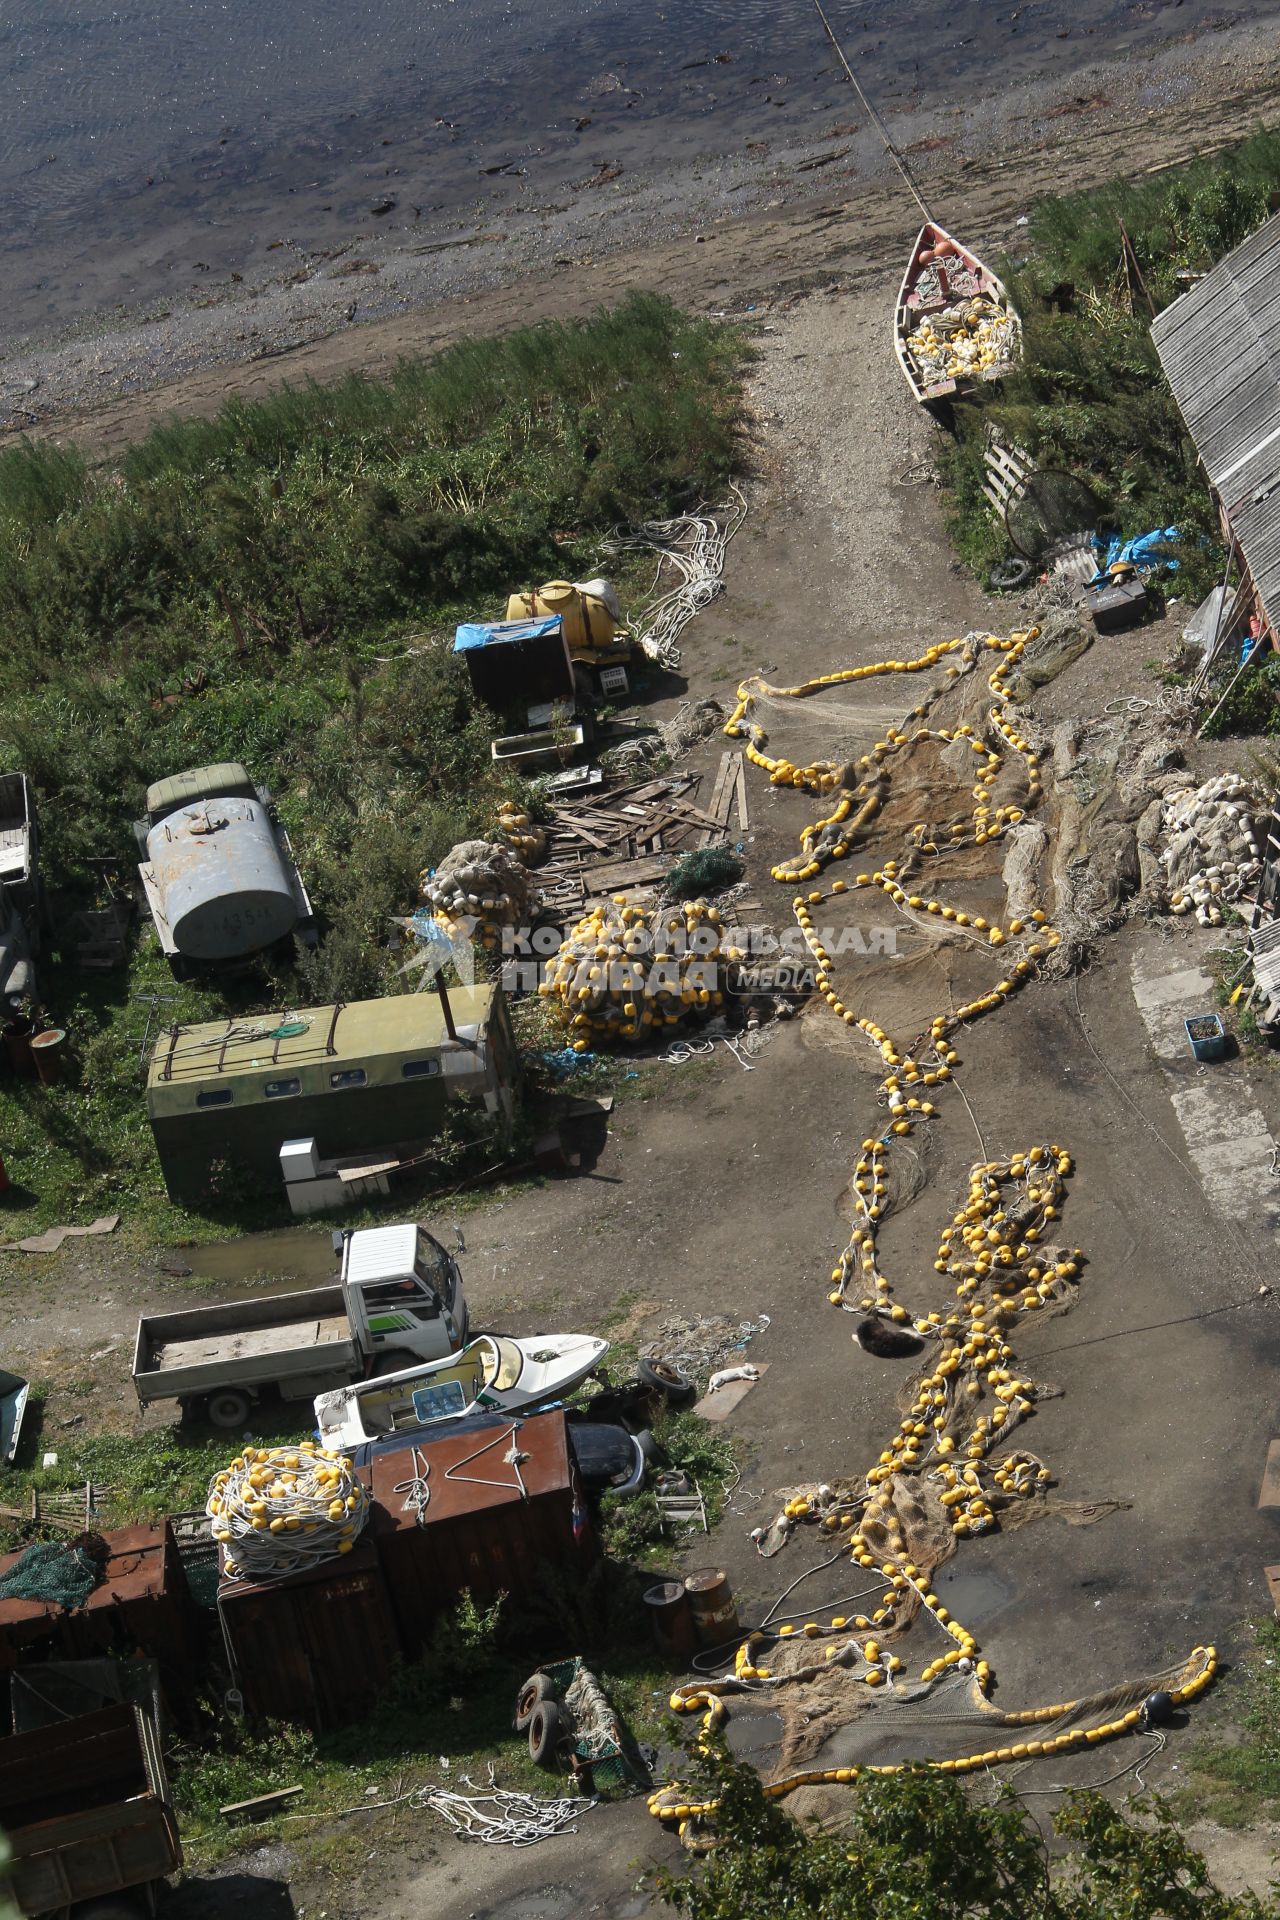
(629, 838)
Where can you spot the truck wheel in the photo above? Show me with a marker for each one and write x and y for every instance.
(537, 1688)
(544, 1733)
(228, 1408)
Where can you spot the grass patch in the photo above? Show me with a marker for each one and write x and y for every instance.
(1236, 1781)
(1091, 396)
(443, 1717)
(279, 585)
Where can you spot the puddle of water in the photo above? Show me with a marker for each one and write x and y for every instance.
(278, 1262)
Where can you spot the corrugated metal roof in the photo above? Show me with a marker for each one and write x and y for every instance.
(1219, 346)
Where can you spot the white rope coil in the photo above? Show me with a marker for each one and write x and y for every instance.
(278, 1510)
(694, 546)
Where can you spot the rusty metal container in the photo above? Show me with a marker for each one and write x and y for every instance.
(486, 1527)
(712, 1605)
(85, 1804)
(318, 1647)
(671, 1617)
(141, 1605)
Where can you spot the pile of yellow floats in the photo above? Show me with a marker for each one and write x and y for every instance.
(1000, 1252)
(627, 972)
(276, 1510)
(521, 832)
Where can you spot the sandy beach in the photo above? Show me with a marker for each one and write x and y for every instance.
(724, 231)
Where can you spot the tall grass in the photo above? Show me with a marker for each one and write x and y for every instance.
(278, 585)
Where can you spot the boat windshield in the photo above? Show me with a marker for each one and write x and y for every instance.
(503, 1362)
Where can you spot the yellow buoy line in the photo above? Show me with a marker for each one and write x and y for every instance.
(673, 1802)
(999, 1250)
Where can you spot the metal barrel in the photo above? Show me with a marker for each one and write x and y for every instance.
(671, 1617)
(714, 1610)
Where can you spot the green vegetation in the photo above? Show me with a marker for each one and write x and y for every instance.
(1091, 397)
(279, 586)
(915, 1844)
(443, 1716)
(632, 1529)
(1236, 1781)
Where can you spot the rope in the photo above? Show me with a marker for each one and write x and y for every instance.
(494, 1815)
(694, 544)
(883, 131)
(417, 1494)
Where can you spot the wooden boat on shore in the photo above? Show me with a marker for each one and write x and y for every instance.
(955, 326)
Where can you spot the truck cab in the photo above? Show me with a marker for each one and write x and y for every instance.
(403, 1294)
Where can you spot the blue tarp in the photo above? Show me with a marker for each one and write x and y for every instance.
(1146, 551)
(500, 633)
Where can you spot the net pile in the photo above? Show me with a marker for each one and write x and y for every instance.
(277, 1510)
(972, 337)
(1211, 853)
(48, 1570)
(481, 881)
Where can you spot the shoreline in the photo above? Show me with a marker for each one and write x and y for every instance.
(362, 307)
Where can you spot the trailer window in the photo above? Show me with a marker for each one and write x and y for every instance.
(280, 1089)
(216, 1097)
(349, 1077)
(418, 1069)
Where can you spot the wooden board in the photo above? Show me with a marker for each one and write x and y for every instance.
(1269, 1494)
(1272, 1577)
(721, 1403)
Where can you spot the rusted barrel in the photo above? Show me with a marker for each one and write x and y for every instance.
(714, 1610)
(48, 1050)
(672, 1618)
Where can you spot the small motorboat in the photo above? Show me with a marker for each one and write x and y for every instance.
(954, 327)
(491, 1374)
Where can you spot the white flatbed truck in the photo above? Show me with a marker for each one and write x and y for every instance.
(399, 1298)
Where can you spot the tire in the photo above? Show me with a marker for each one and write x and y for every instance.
(661, 1377)
(544, 1734)
(228, 1408)
(1009, 575)
(537, 1688)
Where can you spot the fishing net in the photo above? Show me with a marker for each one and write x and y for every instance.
(957, 1465)
(705, 870)
(597, 1732)
(50, 1570)
(1046, 507)
(278, 1510)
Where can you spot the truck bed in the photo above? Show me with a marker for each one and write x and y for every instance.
(214, 1349)
(249, 1342)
